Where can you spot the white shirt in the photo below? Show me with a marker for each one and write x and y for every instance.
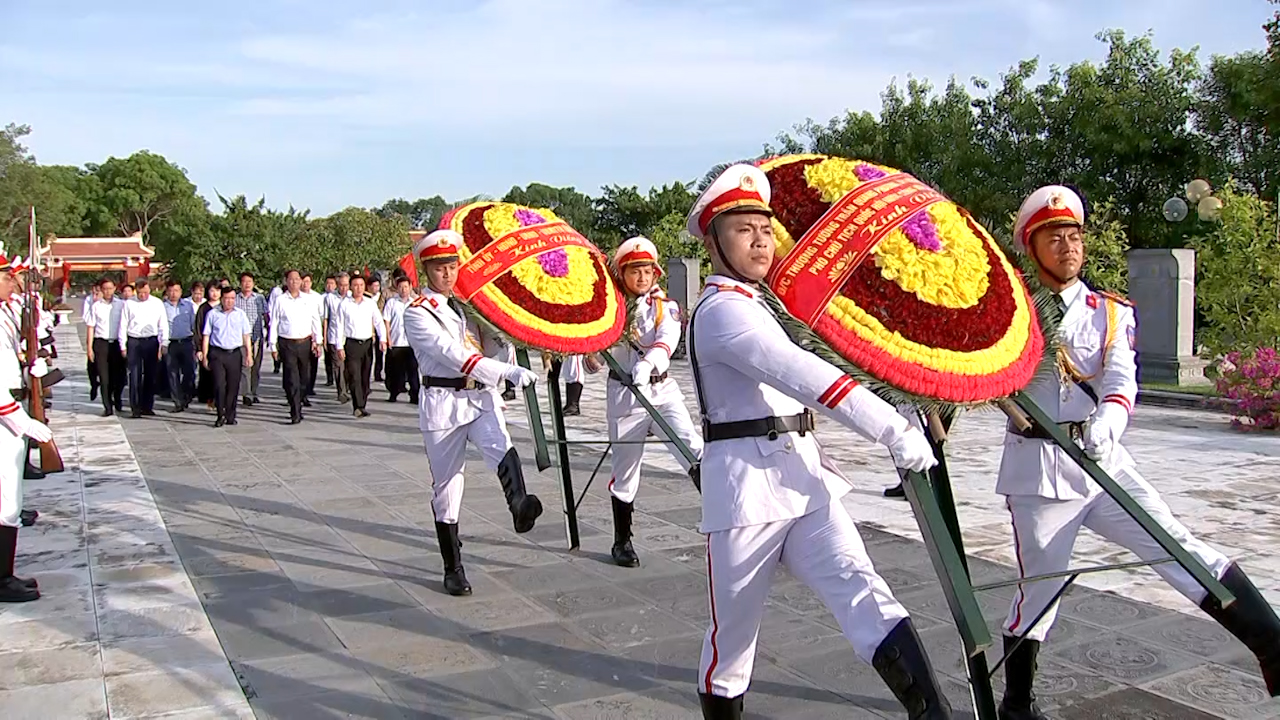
(276, 292)
(143, 318)
(293, 318)
(331, 303)
(359, 321)
(393, 313)
(104, 318)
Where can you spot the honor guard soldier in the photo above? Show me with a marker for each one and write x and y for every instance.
(16, 427)
(769, 493)
(646, 351)
(459, 402)
(1049, 495)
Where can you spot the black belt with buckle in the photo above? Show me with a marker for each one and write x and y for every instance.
(654, 379)
(770, 427)
(1035, 432)
(452, 383)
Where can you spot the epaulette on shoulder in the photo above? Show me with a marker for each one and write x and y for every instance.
(418, 301)
(729, 288)
(1119, 299)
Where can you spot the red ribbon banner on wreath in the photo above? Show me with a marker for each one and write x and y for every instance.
(828, 253)
(498, 257)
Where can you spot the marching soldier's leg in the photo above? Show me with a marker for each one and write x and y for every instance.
(489, 433)
(625, 482)
(13, 452)
(1044, 533)
(1250, 618)
(740, 566)
(572, 372)
(825, 551)
(446, 456)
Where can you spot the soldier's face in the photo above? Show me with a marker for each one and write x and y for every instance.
(638, 278)
(746, 241)
(442, 275)
(6, 284)
(1059, 250)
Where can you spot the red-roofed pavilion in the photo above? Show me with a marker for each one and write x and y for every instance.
(63, 256)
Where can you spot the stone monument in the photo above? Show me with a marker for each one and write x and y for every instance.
(683, 285)
(1162, 286)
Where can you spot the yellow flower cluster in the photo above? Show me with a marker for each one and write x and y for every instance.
(575, 288)
(955, 277)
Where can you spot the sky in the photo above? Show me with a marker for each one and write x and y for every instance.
(322, 104)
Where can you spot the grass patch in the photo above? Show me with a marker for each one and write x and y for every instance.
(1201, 390)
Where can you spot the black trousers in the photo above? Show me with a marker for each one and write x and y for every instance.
(377, 362)
(111, 372)
(295, 358)
(181, 361)
(402, 369)
(91, 368)
(144, 359)
(330, 364)
(358, 365)
(314, 365)
(226, 366)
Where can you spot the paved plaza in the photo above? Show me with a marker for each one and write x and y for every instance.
(276, 571)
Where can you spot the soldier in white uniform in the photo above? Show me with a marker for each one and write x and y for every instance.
(1049, 495)
(459, 402)
(646, 352)
(16, 427)
(769, 493)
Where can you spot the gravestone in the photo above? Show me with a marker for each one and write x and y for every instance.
(683, 285)
(1162, 286)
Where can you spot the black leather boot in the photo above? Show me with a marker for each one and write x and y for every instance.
(1019, 702)
(623, 553)
(1253, 621)
(509, 393)
(29, 517)
(572, 398)
(525, 507)
(13, 589)
(455, 578)
(715, 707)
(905, 668)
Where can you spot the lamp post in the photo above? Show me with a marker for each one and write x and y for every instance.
(1200, 194)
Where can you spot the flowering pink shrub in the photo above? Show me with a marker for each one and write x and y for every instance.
(1251, 383)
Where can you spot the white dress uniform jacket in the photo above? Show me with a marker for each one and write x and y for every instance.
(1098, 343)
(449, 345)
(13, 448)
(654, 336)
(750, 369)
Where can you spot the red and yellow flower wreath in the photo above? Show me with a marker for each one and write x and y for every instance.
(534, 278)
(933, 308)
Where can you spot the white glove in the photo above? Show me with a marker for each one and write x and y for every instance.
(520, 377)
(22, 424)
(911, 451)
(1104, 431)
(39, 368)
(641, 373)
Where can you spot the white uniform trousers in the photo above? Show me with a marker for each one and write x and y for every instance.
(571, 370)
(13, 460)
(1045, 530)
(824, 551)
(447, 455)
(634, 427)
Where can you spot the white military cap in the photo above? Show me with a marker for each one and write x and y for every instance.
(440, 244)
(637, 250)
(740, 187)
(1048, 206)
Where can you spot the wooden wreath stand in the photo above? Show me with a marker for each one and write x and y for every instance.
(935, 511)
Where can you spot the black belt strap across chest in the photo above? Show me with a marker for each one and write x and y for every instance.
(770, 427)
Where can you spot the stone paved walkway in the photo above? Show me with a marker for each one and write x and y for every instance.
(310, 549)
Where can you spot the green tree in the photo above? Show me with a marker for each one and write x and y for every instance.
(674, 241)
(623, 212)
(352, 239)
(1107, 243)
(1238, 276)
(244, 237)
(572, 206)
(421, 214)
(140, 192)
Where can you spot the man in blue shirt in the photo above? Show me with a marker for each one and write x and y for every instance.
(254, 306)
(227, 350)
(180, 356)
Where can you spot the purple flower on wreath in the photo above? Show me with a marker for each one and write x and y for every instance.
(919, 229)
(868, 172)
(555, 262)
(528, 217)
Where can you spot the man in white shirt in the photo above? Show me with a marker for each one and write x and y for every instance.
(317, 304)
(103, 323)
(294, 340)
(276, 292)
(333, 365)
(358, 323)
(90, 366)
(181, 361)
(144, 333)
(402, 366)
